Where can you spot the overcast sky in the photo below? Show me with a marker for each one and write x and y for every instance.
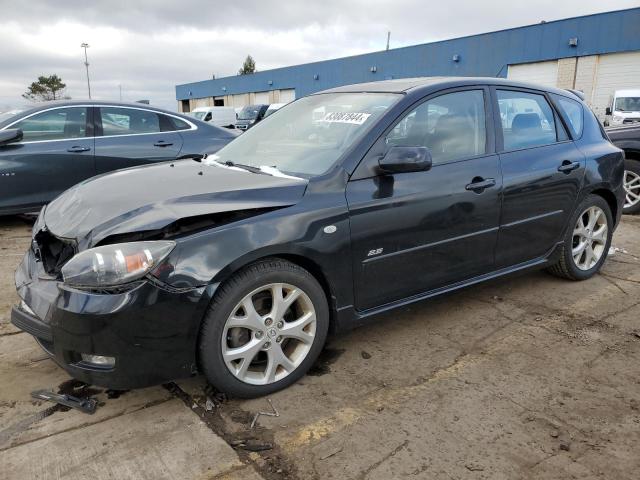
(149, 46)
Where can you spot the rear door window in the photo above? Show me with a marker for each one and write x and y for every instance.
(128, 121)
(57, 124)
(527, 120)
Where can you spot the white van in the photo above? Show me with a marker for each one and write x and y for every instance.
(624, 109)
(219, 116)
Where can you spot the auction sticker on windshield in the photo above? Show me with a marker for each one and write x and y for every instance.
(354, 118)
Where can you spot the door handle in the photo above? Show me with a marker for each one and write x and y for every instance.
(568, 166)
(78, 149)
(162, 143)
(478, 184)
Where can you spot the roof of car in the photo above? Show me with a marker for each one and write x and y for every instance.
(404, 85)
(70, 103)
(631, 92)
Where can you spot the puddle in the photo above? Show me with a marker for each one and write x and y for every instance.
(325, 360)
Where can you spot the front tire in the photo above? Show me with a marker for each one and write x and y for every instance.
(631, 187)
(587, 240)
(264, 329)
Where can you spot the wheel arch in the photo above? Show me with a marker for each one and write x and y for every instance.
(631, 154)
(608, 197)
(299, 259)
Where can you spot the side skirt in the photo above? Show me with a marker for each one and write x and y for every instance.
(349, 317)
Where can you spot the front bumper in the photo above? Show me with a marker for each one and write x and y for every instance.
(150, 330)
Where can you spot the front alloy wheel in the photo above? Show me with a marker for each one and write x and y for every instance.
(269, 333)
(264, 328)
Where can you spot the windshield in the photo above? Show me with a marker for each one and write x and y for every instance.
(199, 115)
(628, 104)
(6, 116)
(249, 112)
(308, 136)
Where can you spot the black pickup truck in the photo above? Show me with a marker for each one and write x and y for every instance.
(628, 139)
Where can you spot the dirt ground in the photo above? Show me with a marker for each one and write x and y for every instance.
(525, 377)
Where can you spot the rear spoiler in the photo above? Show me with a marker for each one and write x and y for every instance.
(577, 93)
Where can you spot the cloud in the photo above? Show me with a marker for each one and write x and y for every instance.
(148, 47)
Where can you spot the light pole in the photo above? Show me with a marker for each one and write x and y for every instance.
(86, 64)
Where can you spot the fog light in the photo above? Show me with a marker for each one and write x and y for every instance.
(98, 360)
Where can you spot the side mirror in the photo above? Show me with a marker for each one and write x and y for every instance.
(12, 135)
(406, 159)
(607, 111)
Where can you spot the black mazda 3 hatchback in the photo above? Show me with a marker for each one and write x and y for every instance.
(345, 204)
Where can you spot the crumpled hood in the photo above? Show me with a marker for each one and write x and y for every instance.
(152, 197)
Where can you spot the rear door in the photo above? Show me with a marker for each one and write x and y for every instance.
(415, 232)
(542, 173)
(57, 151)
(128, 136)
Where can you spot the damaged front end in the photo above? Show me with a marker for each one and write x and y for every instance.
(94, 286)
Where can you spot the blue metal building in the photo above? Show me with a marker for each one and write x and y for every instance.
(567, 53)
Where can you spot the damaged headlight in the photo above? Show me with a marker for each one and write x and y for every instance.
(115, 264)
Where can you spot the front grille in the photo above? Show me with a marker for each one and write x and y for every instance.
(52, 251)
(631, 120)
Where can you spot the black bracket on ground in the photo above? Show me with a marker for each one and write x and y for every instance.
(85, 405)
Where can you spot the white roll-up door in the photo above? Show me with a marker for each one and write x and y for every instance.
(614, 71)
(201, 102)
(542, 73)
(262, 97)
(288, 95)
(239, 100)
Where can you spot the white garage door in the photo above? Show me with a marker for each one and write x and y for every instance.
(288, 95)
(262, 97)
(615, 71)
(239, 100)
(543, 73)
(201, 102)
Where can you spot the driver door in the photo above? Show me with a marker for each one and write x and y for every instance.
(415, 232)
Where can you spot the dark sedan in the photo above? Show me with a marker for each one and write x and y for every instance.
(49, 148)
(344, 205)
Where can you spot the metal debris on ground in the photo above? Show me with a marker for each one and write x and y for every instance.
(85, 405)
(209, 405)
(268, 414)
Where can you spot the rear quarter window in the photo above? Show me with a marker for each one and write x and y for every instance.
(573, 113)
(179, 124)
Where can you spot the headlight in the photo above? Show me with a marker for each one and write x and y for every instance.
(115, 264)
(617, 119)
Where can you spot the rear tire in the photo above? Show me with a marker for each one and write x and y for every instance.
(263, 330)
(587, 240)
(631, 187)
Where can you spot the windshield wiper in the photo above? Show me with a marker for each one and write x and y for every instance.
(249, 168)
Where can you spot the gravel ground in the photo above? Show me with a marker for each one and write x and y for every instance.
(525, 377)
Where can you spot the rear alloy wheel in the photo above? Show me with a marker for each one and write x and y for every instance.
(589, 238)
(631, 187)
(264, 329)
(587, 242)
